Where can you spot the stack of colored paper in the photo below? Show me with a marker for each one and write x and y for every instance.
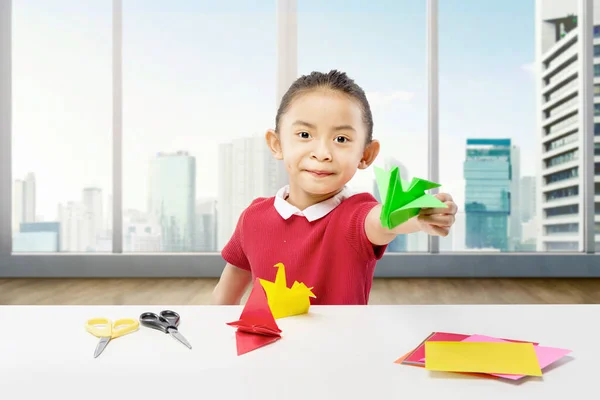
(479, 354)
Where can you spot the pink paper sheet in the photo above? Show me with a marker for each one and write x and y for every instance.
(417, 356)
(545, 355)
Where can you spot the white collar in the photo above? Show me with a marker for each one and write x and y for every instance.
(312, 213)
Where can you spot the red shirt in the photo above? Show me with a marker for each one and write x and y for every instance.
(332, 254)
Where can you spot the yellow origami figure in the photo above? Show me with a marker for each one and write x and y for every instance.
(284, 301)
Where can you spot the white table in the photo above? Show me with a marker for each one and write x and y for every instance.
(330, 353)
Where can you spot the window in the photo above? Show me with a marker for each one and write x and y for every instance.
(562, 229)
(562, 246)
(555, 144)
(481, 164)
(568, 86)
(564, 73)
(563, 123)
(561, 107)
(562, 193)
(199, 84)
(62, 105)
(596, 50)
(562, 175)
(331, 36)
(562, 158)
(564, 210)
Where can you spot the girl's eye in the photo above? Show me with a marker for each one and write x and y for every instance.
(341, 139)
(304, 135)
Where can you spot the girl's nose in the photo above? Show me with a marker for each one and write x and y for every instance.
(321, 152)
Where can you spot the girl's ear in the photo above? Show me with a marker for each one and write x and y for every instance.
(369, 155)
(274, 144)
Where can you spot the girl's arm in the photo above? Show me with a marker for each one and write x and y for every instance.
(379, 235)
(231, 286)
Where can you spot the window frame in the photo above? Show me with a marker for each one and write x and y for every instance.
(428, 264)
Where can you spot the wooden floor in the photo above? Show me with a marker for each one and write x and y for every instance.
(385, 291)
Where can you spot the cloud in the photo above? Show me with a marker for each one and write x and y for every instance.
(382, 99)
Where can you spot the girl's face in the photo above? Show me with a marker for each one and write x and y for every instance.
(322, 141)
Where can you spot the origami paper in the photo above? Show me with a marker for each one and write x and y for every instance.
(256, 326)
(482, 357)
(284, 301)
(402, 200)
(545, 355)
(417, 356)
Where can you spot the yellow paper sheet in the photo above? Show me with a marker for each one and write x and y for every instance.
(482, 357)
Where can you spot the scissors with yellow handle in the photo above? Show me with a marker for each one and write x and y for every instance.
(106, 330)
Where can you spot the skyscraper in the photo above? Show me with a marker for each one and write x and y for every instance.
(93, 220)
(206, 225)
(558, 60)
(247, 170)
(18, 202)
(171, 199)
(108, 222)
(527, 197)
(139, 233)
(489, 205)
(23, 201)
(226, 224)
(70, 217)
(515, 226)
(29, 198)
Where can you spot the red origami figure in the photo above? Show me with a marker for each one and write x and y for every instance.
(256, 326)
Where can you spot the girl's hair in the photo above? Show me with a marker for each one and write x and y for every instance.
(334, 80)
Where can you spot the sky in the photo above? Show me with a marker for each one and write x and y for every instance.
(196, 74)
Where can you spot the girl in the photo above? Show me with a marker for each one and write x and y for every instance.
(327, 238)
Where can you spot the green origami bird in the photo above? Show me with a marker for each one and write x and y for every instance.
(402, 200)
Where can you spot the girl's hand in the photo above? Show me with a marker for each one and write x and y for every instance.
(437, 221)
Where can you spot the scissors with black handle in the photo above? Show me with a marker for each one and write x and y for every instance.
(167, 321)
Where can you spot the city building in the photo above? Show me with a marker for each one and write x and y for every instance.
(491, 180)
(29, 198)
(37, 237)
(18, 205)
(247, 170)
(559, 81)
(93, 220)
(527, 198)
(206, 225)
(23, 201)
(142, 237)
(72, 232)
(33, 242)
(139, 233)
(171, 199)
(530, 232)
(36, 227)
